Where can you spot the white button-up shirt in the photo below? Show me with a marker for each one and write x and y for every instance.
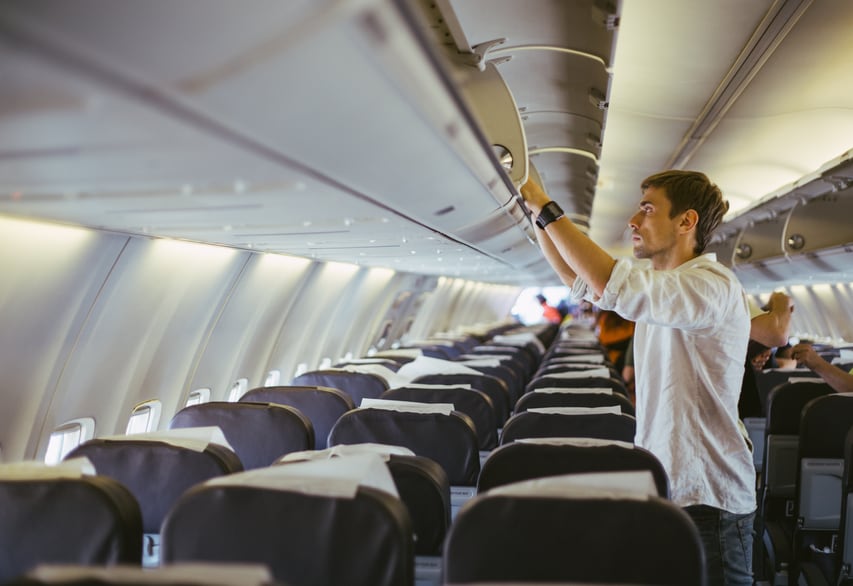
(689, 350)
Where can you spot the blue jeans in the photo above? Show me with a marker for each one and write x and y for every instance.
(727, 540)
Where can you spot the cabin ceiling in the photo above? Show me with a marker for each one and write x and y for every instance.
(350, 131)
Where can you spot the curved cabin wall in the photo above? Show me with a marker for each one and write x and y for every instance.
(94, 322)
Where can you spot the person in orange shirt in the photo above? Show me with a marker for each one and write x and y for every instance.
(614, 332)
(549, 313)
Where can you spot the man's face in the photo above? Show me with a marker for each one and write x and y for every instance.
(653, 232)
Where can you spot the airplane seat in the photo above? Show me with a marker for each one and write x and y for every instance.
(589, 380)
(189, 574)
(570, 422)
(545, 333)
(259, 432)
(563, 354)
(578, 528)
(158, 468)
(358, 385)
(523, 343)
(390, 363)
(65, 515)
(824, 427)
(322, 405)
(425, 489)
(568, 397)
(450, 440)
(559, 368)
(845, 530)
(570, 348)
(473, 403)
(495, 388)
(543, 457)
(519, 374)
(318, 523)
(442, 351)
(524, 359)
(502, 372)
(421, 482)
(777, 486)
(768, 379)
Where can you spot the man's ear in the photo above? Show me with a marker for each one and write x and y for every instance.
(689, 220)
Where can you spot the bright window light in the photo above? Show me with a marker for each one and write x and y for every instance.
(68, 436)
(238, 389)
(273, 378)
(198, 396)
(301, 368)
(145, 417)
(527, 308)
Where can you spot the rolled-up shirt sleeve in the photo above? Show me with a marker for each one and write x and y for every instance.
(692, 296)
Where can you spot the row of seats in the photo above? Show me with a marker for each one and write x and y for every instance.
(254, 517)
(801, 483)
(258, 514)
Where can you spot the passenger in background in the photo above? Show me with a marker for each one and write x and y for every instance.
(585, 314)
(628, 371)
(767, 329)
(839, 380)
(692, 329)
(564, 308)
(782, 358)
(759, 360)
(549, 313)
(614, 333)
(770, 328)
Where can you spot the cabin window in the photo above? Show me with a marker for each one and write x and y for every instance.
(144, 417)
(198, 396)
(401, 298)
(325, 363)
(301, 368)
(273, 378)
(382, 338)
(68, 436)
(238, 389)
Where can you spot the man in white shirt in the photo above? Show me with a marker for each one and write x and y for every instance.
(690, 341)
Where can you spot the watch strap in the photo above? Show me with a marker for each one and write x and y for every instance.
(550, 213)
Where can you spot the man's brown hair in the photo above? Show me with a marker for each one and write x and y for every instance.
(692, 190)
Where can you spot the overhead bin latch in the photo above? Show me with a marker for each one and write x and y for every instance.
(478, 57)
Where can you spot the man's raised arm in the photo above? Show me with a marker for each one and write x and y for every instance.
(571, 252)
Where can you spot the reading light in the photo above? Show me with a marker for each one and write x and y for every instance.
(796, 241)
(743, 251)
(503, 155)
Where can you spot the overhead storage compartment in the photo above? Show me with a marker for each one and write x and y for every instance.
(760, 241)
(802, 234)
(823, 222)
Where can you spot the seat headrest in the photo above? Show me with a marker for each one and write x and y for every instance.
(635, 484)
(337, 477)
(192, 438)
(33, 470)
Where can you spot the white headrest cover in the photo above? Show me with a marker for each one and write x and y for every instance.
(336, 477)
(33, 470)
(192, 438)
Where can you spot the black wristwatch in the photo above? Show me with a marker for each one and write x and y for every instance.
(550, 213)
